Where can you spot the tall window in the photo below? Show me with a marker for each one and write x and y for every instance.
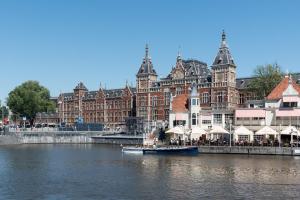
(143, 101)
(194, 119)
(178, 90)
(167, 98)
(217, 118)
(220, 97)
(143, 112)
(194, 102)
(154, 101)
(154, 115)
(205, 98)
(241, 98)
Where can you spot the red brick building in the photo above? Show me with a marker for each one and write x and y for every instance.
(109, 107)
(219, 93)
(217, 86)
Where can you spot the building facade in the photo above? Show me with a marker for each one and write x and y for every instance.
(109, 107)
(218, 90)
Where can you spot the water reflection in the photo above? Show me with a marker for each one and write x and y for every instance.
(103, 172)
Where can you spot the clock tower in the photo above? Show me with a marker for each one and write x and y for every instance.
(145, 78)
(223, 78)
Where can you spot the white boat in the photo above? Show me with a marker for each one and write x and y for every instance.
(162, 150)
(133, 150)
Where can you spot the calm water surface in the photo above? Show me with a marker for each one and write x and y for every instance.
(103, 172)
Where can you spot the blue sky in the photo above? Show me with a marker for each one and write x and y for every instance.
(61, 42)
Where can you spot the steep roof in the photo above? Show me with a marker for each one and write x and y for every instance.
(281, 87)
(224, 56)
(80, 86)
(146, 66)
(180, 103)
(243, 83)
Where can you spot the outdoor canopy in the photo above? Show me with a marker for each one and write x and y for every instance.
(266, 131)
(197, 132)
(242, 130)
(218, 130)
(290, 130)
(177, 130)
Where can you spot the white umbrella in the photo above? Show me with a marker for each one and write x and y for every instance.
(218, 130)
(177, 130)
(266, 131)
(242, 130)
(290, 130)
(197, 132)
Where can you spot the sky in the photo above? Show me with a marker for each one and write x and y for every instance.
(62, 42)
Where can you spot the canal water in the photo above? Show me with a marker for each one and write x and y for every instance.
(103, 172)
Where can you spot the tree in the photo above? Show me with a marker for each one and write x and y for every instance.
(30, 98)
(5, 112)
(266, 79)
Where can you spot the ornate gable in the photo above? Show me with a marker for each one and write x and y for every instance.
(178, 72)
(286, 86)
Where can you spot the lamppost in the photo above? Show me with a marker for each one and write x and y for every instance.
(61, 117)
(292, 131)
(230, 123)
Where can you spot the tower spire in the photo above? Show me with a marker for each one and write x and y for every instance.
(179, 53)
(146, 52)
(223, 39)
(223, 35)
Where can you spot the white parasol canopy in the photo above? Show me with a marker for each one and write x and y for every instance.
(242, 130)
(266, 131)
(290, 130)
(177, 130)
(197, 132)
(218, 130)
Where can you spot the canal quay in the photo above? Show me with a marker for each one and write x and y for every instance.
(67, 137)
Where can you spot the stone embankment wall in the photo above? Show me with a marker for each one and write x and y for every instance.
(67, 138)
(9, 139)
(128, 140)
(246, 150)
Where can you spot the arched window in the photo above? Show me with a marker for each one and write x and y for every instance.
(194, 119)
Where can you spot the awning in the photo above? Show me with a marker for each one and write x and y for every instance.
(288, 113)
(177, 130)
(266, 131)
(250, 113)
(242, 130)
(290, 130)
(218, 130)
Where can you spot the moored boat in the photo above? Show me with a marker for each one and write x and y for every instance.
(162, 150)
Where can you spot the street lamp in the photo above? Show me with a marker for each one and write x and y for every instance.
(230, 123)
(292, 131)
(61, 118)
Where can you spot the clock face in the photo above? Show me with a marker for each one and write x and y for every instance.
(143, 85)
(178, 74)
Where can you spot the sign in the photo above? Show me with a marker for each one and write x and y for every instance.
(24, 118)
(297, 151)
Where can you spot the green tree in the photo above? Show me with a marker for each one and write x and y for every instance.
(30, 98)
(4, 110)
(266, 79)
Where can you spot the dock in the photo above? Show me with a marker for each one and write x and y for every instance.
(250, 150)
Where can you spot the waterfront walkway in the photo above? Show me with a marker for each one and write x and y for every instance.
(250, 150)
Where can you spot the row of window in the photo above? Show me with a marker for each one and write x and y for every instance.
(94, 106)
